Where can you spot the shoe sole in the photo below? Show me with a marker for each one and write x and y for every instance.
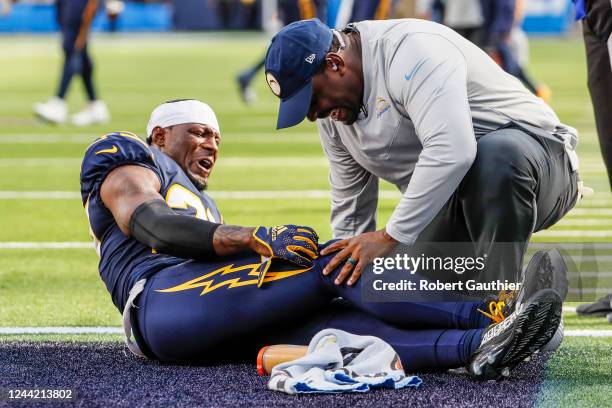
(557, 339)
(48, 120)
(602, 313)
(560, 281)
(534, 327)
(546, 270)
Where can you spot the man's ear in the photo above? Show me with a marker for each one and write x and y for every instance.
(158, 136)
(335, 62)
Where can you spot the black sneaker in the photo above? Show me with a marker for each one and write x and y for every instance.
(600, 308)
(546, 270)
(504, 345)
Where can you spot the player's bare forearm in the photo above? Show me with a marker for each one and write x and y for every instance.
(231, 239)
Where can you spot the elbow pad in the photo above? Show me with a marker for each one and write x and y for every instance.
(154, 224)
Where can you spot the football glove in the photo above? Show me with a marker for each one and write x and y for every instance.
(293, 243)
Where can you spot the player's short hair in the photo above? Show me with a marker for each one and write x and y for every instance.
(149, 139)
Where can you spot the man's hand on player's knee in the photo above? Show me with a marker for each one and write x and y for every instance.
(357, 252)
(296, 244)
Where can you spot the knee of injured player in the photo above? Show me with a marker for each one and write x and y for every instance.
(320, 263)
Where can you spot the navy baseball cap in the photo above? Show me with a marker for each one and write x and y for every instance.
(293, 57)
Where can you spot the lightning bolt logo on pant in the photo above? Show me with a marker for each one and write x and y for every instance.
(226, 277)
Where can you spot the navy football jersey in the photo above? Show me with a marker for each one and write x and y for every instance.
(124, 260)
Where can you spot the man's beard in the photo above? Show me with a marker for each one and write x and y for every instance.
(198, 183)
(352, 115)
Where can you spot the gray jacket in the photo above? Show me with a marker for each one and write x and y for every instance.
(429, 95)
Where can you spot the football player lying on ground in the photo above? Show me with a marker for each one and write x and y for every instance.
(193, 289)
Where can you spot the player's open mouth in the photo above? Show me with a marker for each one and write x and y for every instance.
(205, 164)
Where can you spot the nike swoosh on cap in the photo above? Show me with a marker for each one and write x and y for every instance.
(111, 150)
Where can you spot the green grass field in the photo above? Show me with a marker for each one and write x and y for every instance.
(61, 287)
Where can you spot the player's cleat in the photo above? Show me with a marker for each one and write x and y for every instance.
(94, 112)
(557, 339)
(600, 308)
(546, 269)
(247, 93)
(55, 110)
(504, 345)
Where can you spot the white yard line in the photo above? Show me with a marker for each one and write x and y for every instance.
(588, 274)
(119, 330)
(248, 161)
(235, 161)
(591, 291)
(272, 194)
(591, 211)
(585, 222)
(221, 195)
(39, 195)
(591, 258)
(587, 333)
(570, 246)
(61, 330)
(41, 161)
(238, 137)
(47, 245)
(87, 244)
(574, 233)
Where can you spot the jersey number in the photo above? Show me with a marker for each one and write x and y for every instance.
(181, 198)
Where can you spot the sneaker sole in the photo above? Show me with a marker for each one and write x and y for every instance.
(48, 120)
(599, 313)
(560, 281)
(534, 327)
(557, 339)
(547, 270)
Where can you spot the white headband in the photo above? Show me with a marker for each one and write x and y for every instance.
(180, 112)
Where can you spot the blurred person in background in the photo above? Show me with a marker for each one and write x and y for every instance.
(74, 18)
(114, 8)
(500, 19)
(359, 10)
(495, 26)
(596, 16)
(463, 16)
(288, 12)
(239, 14)
(5, 7)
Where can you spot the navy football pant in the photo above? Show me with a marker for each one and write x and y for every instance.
(69, 14)
(207, 310)
(75, 62)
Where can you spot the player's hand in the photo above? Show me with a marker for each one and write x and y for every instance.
(357, 252)
(293, 243)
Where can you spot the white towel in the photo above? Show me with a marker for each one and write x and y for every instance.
(338, 361)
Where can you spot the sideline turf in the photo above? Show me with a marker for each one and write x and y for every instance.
(579, 374)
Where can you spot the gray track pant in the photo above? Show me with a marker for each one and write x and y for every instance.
(519, 183)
